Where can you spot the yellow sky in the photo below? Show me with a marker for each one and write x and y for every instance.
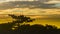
(27, 11)
(36, 11)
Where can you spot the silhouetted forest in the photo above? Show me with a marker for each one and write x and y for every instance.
(8, 28)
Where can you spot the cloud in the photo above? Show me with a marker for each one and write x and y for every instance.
(24, 4)
(17, 4)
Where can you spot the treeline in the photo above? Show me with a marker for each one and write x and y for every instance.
(29, 29)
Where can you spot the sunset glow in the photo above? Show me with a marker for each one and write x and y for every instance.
(46, 9)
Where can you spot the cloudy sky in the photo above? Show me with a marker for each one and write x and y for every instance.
(56, 2)
(11, 4)
(8, 4)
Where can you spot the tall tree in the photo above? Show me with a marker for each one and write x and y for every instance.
(21, 19)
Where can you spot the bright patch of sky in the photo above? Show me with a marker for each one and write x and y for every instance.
(57, 5)
(15, 0)
(53, 1)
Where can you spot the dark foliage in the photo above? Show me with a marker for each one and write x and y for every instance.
(32, 29)
(21, 18)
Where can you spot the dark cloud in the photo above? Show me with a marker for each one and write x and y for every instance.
(47, 6)
(24, 4)
(42, 1)
(13, 4)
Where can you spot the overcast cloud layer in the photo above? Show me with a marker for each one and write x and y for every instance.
(9, 4)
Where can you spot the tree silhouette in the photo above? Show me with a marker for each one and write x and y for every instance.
(21, 19)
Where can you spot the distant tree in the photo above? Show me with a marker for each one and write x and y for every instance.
(21, 19)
